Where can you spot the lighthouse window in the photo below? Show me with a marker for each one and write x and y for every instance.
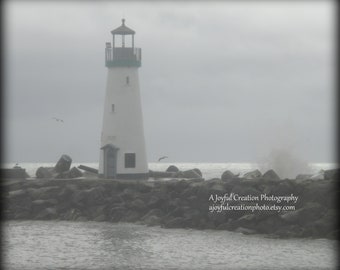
(127, 80)
(130, 160)
(112, 108)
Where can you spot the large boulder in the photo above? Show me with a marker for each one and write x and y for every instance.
(74, 173)
(198, 171)
(332, 174)
(270, 175)
(45, 172)
(227, 175)
(172, 168)
(63, 164)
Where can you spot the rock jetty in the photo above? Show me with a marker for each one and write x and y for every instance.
(183, 203)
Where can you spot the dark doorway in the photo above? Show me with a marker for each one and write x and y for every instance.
(110, 161)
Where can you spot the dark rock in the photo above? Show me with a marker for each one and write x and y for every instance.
(131, 216)
(326, 223)
(227, 175)
(71, 214)
(188, 174)
(79, 198)
(177, 212)
(16, 173)
(224, 226)
(229, 225)
(319, 175)
(322, 192)
(332, 174)
(95, 195)
(138, 205)
(66, 193)
(269, 225)
(192, 217)
(218, 187)
(289, 231)
(96, 212)
(172, 168)
(156, 202)
(117, 213)
(43, 193)
(16, 193)
(310, 212)
(198, 171)
(74, 173)
(128, 195)
(194, 181)
(217, 218)
(81, 219)
(88, 169)
(247, 221)
(333, 235)
(270, 175)
(63, 164)
(45, 172)
(153, 212)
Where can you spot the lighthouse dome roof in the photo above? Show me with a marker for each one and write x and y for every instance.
(123, 30)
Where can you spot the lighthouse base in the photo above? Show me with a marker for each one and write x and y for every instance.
(138, 176)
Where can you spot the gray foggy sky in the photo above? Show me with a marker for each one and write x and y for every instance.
(220, 81)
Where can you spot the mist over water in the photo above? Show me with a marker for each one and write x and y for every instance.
(285, 163)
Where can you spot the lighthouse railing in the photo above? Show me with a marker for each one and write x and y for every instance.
(123, 56)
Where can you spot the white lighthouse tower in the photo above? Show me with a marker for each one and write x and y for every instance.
(122, 152)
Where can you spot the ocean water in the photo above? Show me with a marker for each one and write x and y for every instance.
(37, 245)
(209, 170)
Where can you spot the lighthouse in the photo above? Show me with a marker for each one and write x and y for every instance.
(122, 150)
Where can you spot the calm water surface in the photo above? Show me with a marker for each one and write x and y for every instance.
(102, 245)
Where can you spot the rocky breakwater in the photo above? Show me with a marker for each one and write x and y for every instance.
(177, 203)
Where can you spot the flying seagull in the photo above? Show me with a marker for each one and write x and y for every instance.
(58, 119)
(162, 158)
